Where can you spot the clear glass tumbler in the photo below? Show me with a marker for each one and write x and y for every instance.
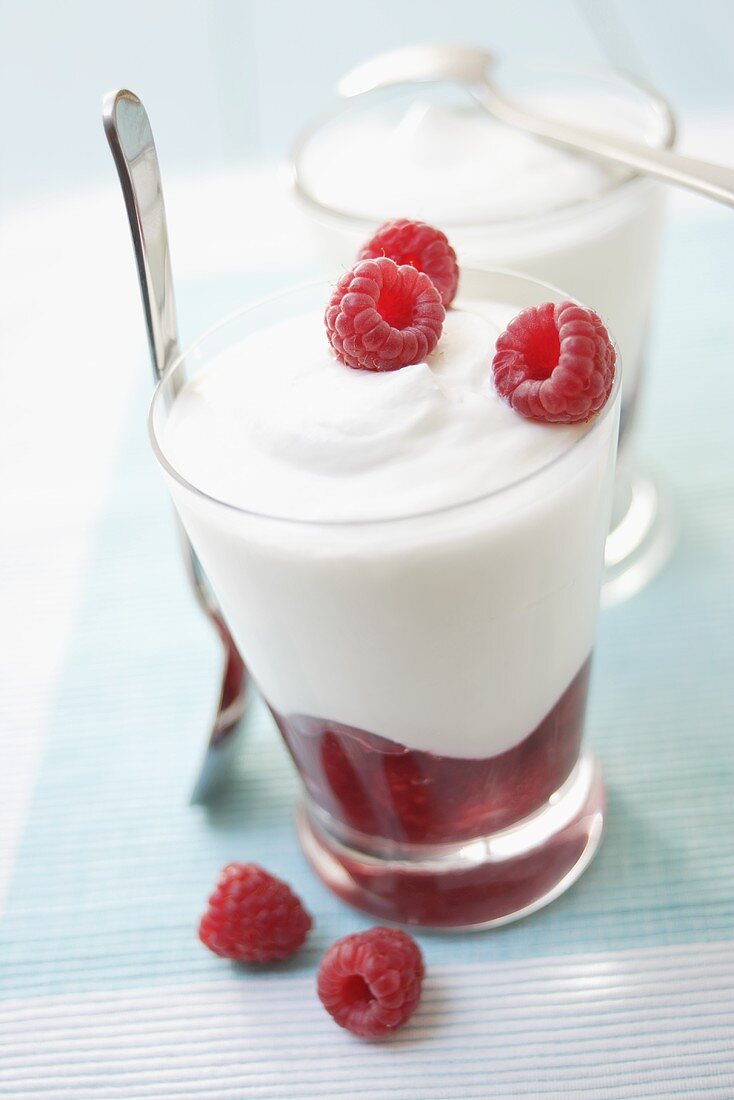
(603, 250)
(429, 672)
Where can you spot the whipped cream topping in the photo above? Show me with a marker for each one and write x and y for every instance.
(447, 164)
(277, 425)
(453, 632)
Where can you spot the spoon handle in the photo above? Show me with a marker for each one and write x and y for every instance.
(714, 180)
(130, 138)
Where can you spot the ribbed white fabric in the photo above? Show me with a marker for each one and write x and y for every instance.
(645, 1023)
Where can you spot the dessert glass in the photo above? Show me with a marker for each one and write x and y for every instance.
(449, 627)
(603, 250)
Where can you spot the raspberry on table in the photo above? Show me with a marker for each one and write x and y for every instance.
(370, 982)
(382, 317)
(253, 916)
(555, 363)
(422, 247)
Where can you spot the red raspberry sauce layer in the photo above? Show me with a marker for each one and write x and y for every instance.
(368, 783)
(486, 892)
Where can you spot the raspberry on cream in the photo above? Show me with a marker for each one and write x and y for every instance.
(382, 316)
(423, 247)
(555, 363)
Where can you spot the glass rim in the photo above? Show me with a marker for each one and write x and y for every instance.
(656, 100)
(378, 521)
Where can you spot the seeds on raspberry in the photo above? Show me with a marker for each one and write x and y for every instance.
(383, 317)
(555, 363)
(370, 982)
(253, 917)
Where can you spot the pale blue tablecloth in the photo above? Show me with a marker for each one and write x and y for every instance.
(624, 988)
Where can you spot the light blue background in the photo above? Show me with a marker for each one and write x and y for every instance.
(229, 80)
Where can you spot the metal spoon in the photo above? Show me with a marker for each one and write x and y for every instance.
(130, 138)
(471, 66)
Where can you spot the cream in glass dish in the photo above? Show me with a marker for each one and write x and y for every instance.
(510, 200)
(411, 571)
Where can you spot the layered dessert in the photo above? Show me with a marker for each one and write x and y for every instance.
(404, 523)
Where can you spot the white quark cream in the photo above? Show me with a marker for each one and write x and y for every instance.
(365, 592)
(445, 165)
(278, 425)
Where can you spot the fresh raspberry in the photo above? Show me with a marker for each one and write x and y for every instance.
(253, 916)
(555, 363)
(371, 982)
(382, 317)
(423, 247)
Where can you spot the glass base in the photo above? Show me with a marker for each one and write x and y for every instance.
(480, 883)
(642, 536)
